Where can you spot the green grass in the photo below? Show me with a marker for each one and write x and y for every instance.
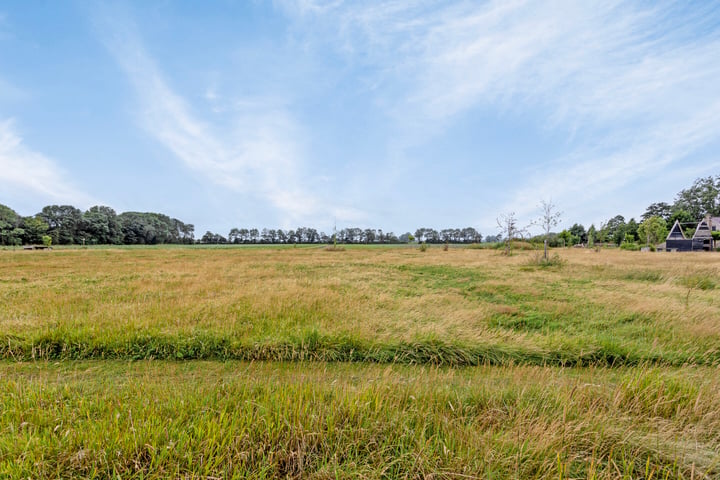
(368, 362)
(269, 420)
(472, 306)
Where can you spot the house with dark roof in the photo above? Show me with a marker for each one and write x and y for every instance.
(702, 239)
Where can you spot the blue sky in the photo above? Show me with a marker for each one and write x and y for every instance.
(387, 114)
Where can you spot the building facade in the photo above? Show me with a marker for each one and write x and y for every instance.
(702, 239)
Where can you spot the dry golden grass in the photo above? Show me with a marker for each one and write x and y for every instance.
(632, 302)
(643, 419)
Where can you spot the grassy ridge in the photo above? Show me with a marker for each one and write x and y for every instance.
(59, 345)
(313, 420)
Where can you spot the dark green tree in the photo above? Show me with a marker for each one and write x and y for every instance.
(212, 238)
(614, 230)
(369, 235)
(682, 216)
(33, 230)
(470, 235)
(631, 230)
(701, 199)
(153, 228)
(100, 225)
(185, 232)
(659, 209)
(64, 223)
(653, 230)
(579, 233)
(234, 235)
(566, 238)
(16, 236)
(9, 222)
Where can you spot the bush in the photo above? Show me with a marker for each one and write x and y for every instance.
(538, 260)
(516, 245)
(633, 247)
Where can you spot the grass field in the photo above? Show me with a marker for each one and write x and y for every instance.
(366, 362)
(460, 307)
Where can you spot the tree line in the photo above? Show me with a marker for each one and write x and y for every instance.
(68, 225)
(689, 207)
(351, 235)
(99, 225)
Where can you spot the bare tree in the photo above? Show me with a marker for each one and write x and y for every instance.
(508, 226)
(550, 218)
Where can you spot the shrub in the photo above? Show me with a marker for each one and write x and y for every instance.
(537, 259)
(516, 245)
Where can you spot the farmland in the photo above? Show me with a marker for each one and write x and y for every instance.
(370, 362)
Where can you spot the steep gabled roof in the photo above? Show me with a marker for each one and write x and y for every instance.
(676, 232)
(702, 230)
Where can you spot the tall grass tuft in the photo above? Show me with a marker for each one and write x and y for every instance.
(313, 346)
(537, 259)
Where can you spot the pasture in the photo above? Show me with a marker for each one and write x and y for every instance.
(366, 362)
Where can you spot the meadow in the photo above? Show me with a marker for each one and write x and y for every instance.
(365, 362)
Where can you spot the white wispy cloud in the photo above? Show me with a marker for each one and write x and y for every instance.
(602, 176)
(597, 61)
(631, 86)
(28, 177)
(260, 154)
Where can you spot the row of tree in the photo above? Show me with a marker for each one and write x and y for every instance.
(68, 225)
(346, 235)
(65, 224)
(690, 205)
(652, 230)
(614, 231)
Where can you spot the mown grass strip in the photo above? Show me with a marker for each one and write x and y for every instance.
(69, 345)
